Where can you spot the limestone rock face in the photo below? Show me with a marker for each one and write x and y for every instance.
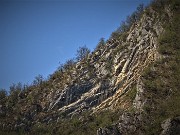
(139, 100)
(110, 71)
(140, 50)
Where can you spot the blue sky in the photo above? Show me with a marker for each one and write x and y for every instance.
(35, 35)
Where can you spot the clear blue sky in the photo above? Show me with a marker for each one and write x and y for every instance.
(35, 35)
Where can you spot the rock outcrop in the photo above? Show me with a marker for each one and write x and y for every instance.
(171, 126)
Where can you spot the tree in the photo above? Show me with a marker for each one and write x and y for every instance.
(135, 16)
(82, 53)
(125, 25)
(3, 100)
(69, 64)
(15, 89)
(100, 44)
(38, 80)
(3, 94)
(140, 9)
(115, 35)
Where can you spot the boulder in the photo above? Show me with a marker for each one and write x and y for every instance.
(171, 126)
(113, 130)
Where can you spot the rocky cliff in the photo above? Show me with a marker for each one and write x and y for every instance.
(113, 77)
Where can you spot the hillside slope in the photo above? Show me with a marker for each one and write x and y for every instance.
(129, 85)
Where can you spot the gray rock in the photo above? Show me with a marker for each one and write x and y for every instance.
(171, 126)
